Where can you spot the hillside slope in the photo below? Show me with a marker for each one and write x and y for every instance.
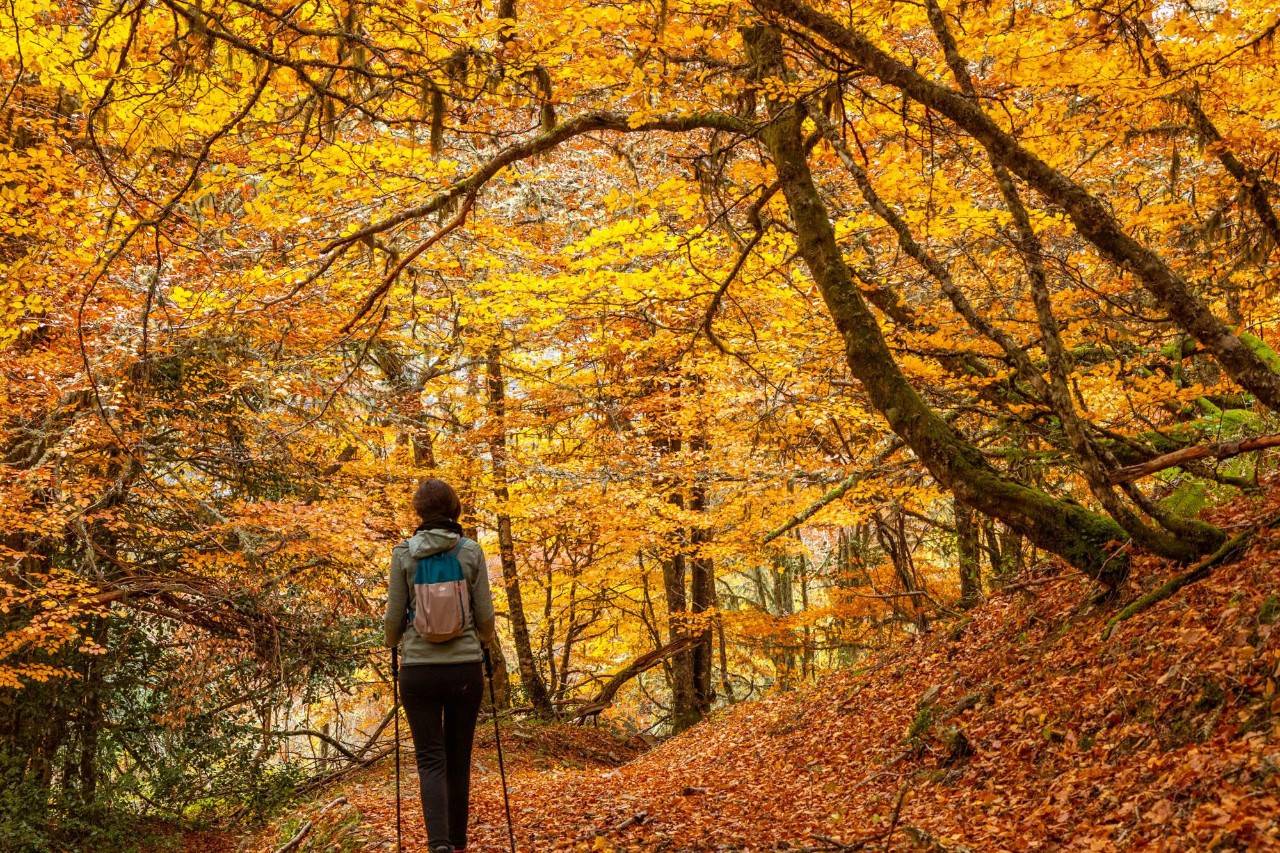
(1018, 728)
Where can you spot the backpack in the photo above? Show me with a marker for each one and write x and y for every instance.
(441, 605)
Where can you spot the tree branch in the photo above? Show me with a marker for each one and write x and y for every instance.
(641, 664)
(1219, 450)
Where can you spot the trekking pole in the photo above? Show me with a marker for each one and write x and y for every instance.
(395, 712)
(497, 739)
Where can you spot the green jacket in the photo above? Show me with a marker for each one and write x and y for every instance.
(464, 648)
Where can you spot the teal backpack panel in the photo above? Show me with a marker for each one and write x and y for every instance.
(439, 568)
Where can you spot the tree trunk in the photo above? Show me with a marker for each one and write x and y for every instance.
(783, 604)
(424, 455)
(675, 573)
(684, 711)
(702, 593)
(806, 661)
(892, 534)
(501, 678)
(497, 657)
(1085, 539)
(967, 555)
(530, 677)
(1013, 552)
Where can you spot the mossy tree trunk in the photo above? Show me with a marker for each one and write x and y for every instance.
(967, 562)
(1085, 539)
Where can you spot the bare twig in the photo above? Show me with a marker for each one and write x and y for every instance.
(292, 843)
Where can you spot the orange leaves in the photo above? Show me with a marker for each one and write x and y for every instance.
(276, 448)
(43, 619)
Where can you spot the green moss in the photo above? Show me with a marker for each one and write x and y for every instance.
(1208, 407)
(1053, 735)
(1259, 348)
(1211, 696)
(922, 722)
(1270, 609)
(1179, 349)
(957, 631)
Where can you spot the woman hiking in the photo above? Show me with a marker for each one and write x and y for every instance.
(439, 611)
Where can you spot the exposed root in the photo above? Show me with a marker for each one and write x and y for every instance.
(1230, 550)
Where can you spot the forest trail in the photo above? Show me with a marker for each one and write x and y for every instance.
(1016, 727)
(830, 356)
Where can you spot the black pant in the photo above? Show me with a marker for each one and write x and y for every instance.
(442, 702)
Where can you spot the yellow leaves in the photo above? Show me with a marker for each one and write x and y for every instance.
(611, 16)
(12, 196)
(623, 239)
(641, 116)
(182, 297)
(16, 309)
(206, 302)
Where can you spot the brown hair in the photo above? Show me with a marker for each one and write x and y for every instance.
(435, 498)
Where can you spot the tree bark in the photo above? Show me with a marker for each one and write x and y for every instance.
(892, 534)
(967, 556)
(501, 678)
(1180, 458)
(674, 569)
(702, 595)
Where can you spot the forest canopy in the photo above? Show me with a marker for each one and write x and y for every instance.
(754, 334)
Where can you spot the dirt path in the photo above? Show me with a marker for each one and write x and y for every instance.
(542, 762)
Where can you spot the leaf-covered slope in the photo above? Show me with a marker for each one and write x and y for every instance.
(1018, 729)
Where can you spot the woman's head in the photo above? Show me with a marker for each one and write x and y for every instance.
(436, 499)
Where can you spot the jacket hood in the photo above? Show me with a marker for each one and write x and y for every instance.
(424, 543)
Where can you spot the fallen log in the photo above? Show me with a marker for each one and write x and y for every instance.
(330, 776)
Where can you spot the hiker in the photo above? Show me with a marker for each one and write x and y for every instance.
(439, 611)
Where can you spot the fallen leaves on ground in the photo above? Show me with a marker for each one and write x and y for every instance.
(1016, 727)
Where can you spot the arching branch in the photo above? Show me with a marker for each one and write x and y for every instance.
(644, 663)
